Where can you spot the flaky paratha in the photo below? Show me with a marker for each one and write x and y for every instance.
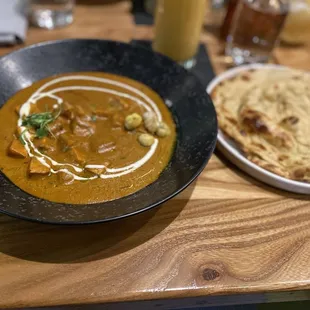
(266, 111)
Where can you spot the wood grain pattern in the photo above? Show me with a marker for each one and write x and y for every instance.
(225, 234)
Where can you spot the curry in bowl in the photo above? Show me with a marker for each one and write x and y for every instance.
(85, 137)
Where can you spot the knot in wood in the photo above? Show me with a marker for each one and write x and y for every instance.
(210, 274)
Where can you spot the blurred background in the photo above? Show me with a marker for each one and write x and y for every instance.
(235, 32)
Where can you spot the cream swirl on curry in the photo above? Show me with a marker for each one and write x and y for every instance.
(75, 126)
(148, 105)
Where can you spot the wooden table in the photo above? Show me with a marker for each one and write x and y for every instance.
(226, 239)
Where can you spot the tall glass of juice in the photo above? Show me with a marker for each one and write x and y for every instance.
(178, 25)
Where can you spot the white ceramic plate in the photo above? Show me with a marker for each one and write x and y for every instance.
(233, 153)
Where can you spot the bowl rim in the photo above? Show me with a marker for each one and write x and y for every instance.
(131, 213)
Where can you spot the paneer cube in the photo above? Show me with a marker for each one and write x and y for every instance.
(17, 108)
(66, 140)
(82, 131)
(56, 127)
(79, 110)
(17, 149)
(36, 167)
(79, 155)
(67, 111)
(65, 178)
(45, 144)
(96, 171)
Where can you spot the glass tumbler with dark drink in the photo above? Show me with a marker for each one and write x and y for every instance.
(255, 29)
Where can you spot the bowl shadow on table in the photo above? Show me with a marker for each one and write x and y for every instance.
(255, 182)
(76, 244)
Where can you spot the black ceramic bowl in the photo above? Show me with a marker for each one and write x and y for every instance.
(190, 105)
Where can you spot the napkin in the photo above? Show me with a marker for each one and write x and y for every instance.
(13, 21)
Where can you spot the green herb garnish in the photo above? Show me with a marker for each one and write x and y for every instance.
(94, 117)
(21, 137)
(39, 122)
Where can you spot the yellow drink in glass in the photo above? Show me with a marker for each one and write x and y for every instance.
(178, 25)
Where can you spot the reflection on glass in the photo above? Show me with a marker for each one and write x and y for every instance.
(51, 14)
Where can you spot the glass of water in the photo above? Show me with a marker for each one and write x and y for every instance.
(255, 29)
(51, 14)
